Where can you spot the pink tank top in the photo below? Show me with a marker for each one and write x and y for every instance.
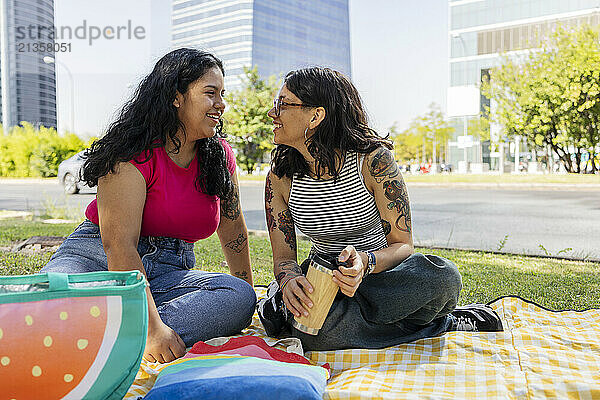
(174, 208)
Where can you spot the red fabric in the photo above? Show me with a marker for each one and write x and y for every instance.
(249, 346)
(174, 208)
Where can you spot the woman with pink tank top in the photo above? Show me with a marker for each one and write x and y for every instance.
(166, 179)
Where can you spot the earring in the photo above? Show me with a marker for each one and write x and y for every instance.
(305, 138)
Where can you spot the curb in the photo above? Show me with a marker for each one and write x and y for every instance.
(509, 186)
(456, 185)
(261, 233)
(24, 181)
(9, 214)
(508, 253)
(483, 185)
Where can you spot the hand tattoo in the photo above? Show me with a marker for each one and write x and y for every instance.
(286, 225)
(230, 207)
(396, 192)
(383, 165)
(237, 245)
(271, 224)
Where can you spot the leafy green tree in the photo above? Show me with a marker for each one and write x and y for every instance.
(426, 136)
(479, 127)
(551, 97)
(29, 151)
(247, 124)
(407, 145)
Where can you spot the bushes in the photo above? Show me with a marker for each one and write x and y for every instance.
(27, 151)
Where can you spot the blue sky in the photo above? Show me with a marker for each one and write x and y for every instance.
(399, 57)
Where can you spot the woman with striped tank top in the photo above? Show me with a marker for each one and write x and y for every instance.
(335, 179)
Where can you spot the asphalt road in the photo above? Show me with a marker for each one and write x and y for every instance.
(544, 222)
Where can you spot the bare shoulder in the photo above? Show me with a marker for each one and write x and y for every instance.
(121, 197)
(277, 184)
(124, 173)
(380, 165)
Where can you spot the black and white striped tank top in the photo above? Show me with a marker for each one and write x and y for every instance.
(335, 215)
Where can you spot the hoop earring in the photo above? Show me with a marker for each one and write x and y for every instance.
(305, 138)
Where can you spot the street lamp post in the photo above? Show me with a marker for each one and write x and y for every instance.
(52, 60)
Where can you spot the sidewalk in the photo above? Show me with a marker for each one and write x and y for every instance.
(509, 186)
(25, 181)
(477, 185)
(457, 185)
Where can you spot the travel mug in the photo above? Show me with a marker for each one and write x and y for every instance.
(319, 275)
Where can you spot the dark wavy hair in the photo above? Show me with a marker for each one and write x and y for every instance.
(345, 126)
(149, 119)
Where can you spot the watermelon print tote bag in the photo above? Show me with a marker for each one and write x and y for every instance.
(71, 336)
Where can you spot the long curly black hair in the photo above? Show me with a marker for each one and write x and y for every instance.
(345, 126)
(149, 119)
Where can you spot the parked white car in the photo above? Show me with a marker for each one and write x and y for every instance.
(69, 174)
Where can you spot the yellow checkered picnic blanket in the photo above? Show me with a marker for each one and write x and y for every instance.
(540, 354)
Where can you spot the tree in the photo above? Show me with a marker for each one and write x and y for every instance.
(247, 123)
(406, 144)
(551, 97)
(29, 151)
(479, 127)
(425, 136)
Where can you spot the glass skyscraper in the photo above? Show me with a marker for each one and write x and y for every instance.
(28, 84)
(480, 31)
(275, 35)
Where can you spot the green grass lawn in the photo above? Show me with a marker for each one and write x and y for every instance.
(555, 284)
(579, 179)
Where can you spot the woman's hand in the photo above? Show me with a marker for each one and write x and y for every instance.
(349, 278)
(295, 295)
(163, 344)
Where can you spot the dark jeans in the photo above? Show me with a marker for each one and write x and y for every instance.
(406, 303)
(197, 305)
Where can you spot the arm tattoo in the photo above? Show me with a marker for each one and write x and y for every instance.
(237, 245)
(271, 224)
(230, 207)
(396, 192)
(383, 165)
(387, 228)
(289, 270)
(286, 225)
(241, 274)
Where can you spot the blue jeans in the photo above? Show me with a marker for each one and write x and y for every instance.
(409, 302)
(197, 305)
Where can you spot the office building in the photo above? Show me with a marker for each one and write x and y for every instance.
(28, 84)
(275, 35)
(480, 32)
